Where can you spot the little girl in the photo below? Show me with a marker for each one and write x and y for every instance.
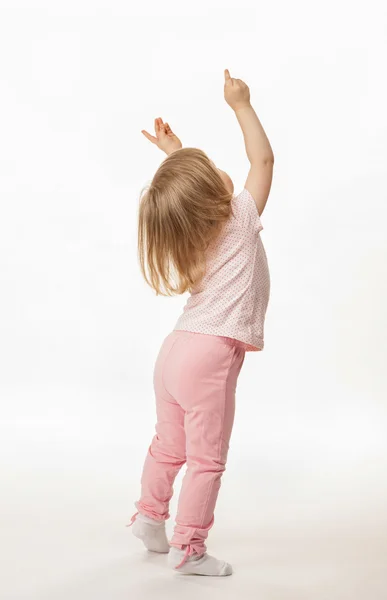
(196, 235)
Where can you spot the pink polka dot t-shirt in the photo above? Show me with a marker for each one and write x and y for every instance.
(232, 298)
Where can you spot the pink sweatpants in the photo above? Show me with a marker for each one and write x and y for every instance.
(195, 378)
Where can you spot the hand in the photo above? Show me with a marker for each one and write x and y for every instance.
(236, 92)
(165, 139)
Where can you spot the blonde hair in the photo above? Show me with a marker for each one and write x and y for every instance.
(181, 213)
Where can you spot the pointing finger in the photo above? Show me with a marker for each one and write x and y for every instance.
(227, 75)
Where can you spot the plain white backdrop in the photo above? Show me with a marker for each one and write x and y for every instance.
(301, 512)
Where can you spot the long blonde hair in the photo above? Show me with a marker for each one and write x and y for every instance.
(181, 212)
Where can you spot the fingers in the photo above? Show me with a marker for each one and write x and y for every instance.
(160, 128)
(230, 80)
(150, 137)
(158, 124)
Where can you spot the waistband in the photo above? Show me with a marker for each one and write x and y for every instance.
(216, 338)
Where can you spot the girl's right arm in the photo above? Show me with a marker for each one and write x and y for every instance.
(258, 149)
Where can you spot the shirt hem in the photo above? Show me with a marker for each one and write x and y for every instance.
(248, 347)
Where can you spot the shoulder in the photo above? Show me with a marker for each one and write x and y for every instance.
(245, 209)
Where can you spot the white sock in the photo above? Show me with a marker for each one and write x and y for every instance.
(152, 533)
(198, 565)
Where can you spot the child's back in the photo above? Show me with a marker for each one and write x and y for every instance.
(233, 296)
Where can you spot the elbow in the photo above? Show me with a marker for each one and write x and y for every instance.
(268, 160)
(265, 160)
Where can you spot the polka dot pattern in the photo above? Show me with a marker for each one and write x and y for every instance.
(233, 296)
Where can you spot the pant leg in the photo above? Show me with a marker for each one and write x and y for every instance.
(203, 380)
(167, 452)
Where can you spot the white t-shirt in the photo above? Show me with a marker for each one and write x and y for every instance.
(233, 295)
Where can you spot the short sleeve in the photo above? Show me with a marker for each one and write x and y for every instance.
(246, 211)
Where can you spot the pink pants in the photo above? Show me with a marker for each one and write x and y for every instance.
(195, 378)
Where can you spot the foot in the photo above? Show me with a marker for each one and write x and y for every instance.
(198, 565)
(152, 533)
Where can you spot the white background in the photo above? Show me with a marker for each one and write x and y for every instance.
(301, 512)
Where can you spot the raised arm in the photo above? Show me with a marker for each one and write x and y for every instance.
(258, 149)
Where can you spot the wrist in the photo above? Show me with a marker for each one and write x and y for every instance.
(242, 106)
(169, 151)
